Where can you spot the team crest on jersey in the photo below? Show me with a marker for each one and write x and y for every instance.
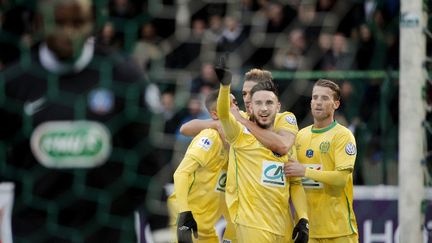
(309, 153)
(272, 174)
(291, 120)
(324, 147)
(350, 149)
(101, 101)
(205, 143)
(221, 182)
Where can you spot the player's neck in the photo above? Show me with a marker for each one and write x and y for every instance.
(319, 124)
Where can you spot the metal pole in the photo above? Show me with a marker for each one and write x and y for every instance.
(411, 115)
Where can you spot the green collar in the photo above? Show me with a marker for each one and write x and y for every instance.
(333, 124)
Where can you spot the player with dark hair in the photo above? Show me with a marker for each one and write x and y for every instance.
(257, 192)
(326, 151)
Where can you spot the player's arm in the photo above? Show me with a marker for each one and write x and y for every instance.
(195, 126)
(181, 182)
(230, 126)
(280, 142)
(298, 198)
(334, 178)
(345, 154)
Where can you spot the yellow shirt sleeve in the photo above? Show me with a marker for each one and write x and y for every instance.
(286, 121)
(345, 151)
(181, 182)
(333, 178)
(231, 127)
(298, 198)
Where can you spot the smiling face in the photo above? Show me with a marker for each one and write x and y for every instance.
(323, 105)
(264, 106)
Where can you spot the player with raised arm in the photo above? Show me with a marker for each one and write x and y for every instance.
(280, 140)
(257, 192)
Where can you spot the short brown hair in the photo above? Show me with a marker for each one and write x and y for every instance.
(267, 86)
(258, 75)
(331, 85)
(211, 99)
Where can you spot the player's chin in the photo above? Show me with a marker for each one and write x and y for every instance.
(264, 124)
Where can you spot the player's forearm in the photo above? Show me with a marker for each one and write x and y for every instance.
(298, 198)
(181, 187)
(333, 178)
(195, 126)
(229, 123)
(271, 140)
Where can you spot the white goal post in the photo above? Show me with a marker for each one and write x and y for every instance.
(411, 115)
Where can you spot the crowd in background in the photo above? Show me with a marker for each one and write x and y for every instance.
(176, 43)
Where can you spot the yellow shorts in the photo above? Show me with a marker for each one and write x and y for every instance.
(247, 235)
(205, 235)
(229, 235)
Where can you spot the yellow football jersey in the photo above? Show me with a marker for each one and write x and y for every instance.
(330, 208)
(286, 121)
(205, 162)
(283, 121)
(257, 190)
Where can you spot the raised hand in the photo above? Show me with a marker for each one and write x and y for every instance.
(222, 72)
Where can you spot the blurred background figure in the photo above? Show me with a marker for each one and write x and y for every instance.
(85, 152)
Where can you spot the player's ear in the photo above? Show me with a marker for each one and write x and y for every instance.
(336, 104)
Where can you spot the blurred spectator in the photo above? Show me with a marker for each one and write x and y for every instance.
(83, 148)
(109, 38)
(16, 27)
(122, 9)
(147, 51)
(169, 112)
(279, 17)
(365, 48)
(339, 57)
(207, 78)
(233, 35)
(214, 31)
(325, 5)
(189, 50)
(291, 55)
(195, 110)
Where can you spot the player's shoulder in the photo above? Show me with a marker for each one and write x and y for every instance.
(287, 116)
(305, 130)
(210, 133)
(341, 129)
(207, 139)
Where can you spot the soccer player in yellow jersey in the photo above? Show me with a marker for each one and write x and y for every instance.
(257, 192)
(199, 186)
(280, 139)
(327, 151)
